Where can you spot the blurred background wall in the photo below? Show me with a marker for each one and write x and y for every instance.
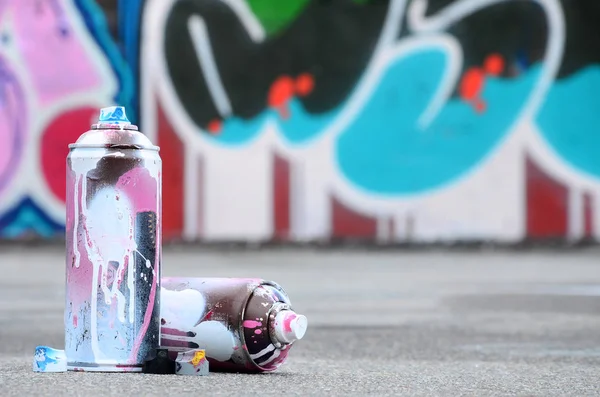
(299, 120)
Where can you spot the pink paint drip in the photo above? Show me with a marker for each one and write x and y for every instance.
(172, 331)
(257, 331)
(287, 322)
(122, 275)
(147, 318)
(251, 324)
(144, 202)
(75, 321)
(165, 341)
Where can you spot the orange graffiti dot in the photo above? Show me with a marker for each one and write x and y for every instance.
(479, 105)
(281, 91)
(471, 84)
(494, 64)
(305, 83)
(214, 127)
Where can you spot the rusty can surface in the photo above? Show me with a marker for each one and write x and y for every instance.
(244, 325)
(113, 245)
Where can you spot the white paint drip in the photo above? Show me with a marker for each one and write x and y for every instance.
(182, 310)
(76, 223)
(130, 279)
(215, 338)
(110, 228)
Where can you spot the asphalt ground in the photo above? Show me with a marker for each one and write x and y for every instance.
(380, 323)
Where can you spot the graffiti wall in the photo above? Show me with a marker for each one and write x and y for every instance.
(55, 72)
(389, 120)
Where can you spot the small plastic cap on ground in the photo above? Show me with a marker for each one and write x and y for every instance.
(113, 115)
(192, 362)
(289, 326)
(47, 359)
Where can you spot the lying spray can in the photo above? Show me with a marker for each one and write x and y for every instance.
(244, 325)
(113, 233)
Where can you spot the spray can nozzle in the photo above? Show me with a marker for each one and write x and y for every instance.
(289, 326)
(113, 115)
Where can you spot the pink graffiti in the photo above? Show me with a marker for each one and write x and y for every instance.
(53, 54)
(55, 59)
(12, 124)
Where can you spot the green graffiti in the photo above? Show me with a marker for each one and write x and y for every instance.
(276, 15)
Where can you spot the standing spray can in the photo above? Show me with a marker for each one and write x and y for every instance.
(113, 241)
(244, 325)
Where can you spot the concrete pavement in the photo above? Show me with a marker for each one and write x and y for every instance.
(389, 323)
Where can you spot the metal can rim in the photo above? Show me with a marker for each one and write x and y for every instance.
(113, 146)
(243, 314)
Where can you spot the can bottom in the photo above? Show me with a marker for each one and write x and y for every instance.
(91, 367)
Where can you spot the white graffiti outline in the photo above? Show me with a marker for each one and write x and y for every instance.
(205, 55)
(248, 19)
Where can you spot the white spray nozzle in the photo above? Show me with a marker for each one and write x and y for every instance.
(289, 326)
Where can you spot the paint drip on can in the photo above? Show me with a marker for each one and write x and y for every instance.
(113, 233)
(244, 325)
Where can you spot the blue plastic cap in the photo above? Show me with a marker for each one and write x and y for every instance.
(113, 115)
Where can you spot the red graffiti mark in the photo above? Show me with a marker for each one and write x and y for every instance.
(215, 126)
(75, 321)
(494, 64)
(547, 202)
(479, 105)
(351, 224)
(473, 81)
(305, 83)
(472, 84)
(172, 153)
(281, 198)
(588, 215)
(62, 131)
(281, 91)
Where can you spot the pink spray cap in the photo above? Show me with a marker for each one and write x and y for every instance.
(289, 326)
